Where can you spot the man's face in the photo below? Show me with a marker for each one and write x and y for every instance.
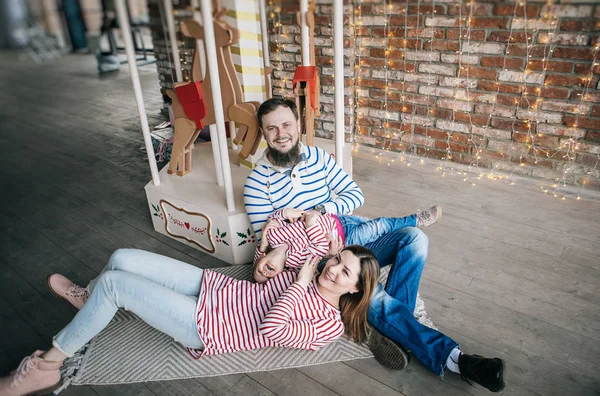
(281, 130)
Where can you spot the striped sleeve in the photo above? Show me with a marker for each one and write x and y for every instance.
(348, 195)
(256, 201)
(280, 327)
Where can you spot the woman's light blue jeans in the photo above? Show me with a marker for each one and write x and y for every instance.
(392, 308)
(160, 290)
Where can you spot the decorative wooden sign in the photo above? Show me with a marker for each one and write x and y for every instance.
(190, 226)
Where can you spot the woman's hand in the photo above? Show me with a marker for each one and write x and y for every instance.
(292, 214)
(307, 273)
(335, 246)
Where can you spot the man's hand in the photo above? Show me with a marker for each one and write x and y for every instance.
(335, 245)
(307, 272)
(292, 214)
(311, 217)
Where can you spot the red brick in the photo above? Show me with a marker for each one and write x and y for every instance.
(546, 152)
(367, 121)
(546, 141)
(590, 160)
(509, 10)
(426, 9)
(476, 35)
(442, 45)
(492, 155)
(323, 20)
(459, 137)
(323, 60)
(595, 111)
(592, 136)
(500, 87)
(514, 37)
(394, 42)
(509, 125)
(573, 53)
(401, 20)
(373, 62)
(478, 72)
(363, 31)
(538, 64)
(532, 161)
(401, 107)
(431, 132)
(489, 23)
(565, 81)
(535, 51)
(584, 68)
(374, 104)
(402, 86)
(475, 9)
(590, 96)
(371, 83)
(434, 112)
(380, 53)
(475, 119)
(402, 66)
(499, 61)
(453, 146)
(582, 122)
(579, 24)
(548, 92)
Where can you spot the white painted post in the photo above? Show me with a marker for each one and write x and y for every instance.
(214, 141)
(211, 58)
(338, 45)
(173, 38)
(305, 34)
(137, 88)
(265, 38)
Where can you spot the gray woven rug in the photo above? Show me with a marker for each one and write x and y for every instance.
(129, 351)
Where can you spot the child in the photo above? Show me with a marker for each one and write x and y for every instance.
(291, 236)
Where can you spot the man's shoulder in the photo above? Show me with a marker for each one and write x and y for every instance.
(318, 153)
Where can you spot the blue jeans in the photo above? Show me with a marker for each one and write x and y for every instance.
(362, 230)
(392, 308)
(160, 290)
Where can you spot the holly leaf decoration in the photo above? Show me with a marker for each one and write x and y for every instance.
(241, 235)
(223, 235)
(242, 243)
(225, 243)
(154, 207)
(249, 232)
(218, 232)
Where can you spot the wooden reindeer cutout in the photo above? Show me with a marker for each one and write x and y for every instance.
(306, 83)
(231, 90)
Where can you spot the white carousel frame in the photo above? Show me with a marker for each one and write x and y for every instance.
(191, 209)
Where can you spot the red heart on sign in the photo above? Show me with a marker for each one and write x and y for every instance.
(187, 225)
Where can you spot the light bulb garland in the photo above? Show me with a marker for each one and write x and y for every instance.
(527, 144)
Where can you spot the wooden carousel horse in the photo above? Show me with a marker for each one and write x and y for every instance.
(306, 83)
(231, 92)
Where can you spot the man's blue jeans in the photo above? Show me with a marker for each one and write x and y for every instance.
(392, 308)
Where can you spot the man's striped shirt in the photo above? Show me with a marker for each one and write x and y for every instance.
(316, 179)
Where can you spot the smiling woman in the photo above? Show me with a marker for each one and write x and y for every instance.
(208, 312)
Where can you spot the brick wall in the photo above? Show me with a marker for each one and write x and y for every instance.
(503, 85)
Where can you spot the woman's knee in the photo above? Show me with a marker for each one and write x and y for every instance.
(119, 258)
(416, 238)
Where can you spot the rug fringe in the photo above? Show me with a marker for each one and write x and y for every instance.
(70, 367)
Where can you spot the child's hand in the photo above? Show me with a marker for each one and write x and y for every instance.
(292, 214)
(264, 242)
(306, 274)
(311, 217)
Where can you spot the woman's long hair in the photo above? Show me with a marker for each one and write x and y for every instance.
(355, 307)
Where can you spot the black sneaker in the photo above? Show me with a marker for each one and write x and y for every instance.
(388, 353)
(488, 373)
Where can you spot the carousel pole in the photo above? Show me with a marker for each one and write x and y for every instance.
(173, 38)
(137, 88)
(214, 137)
(304, 33)
(215, 86)
(265, 37)
(338, 45)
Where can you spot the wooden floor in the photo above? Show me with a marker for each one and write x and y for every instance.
(511, 272)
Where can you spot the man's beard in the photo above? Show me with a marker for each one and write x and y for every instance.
(285, 160)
